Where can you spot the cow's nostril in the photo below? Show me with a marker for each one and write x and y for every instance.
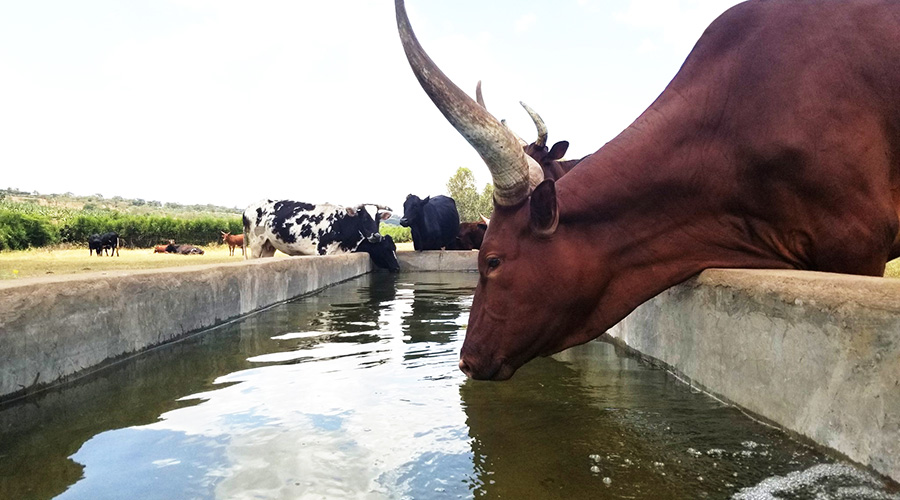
(463, 367)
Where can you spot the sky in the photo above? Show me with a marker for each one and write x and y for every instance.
(228, 102)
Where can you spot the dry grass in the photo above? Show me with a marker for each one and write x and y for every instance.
(49, 261)
(893, 269)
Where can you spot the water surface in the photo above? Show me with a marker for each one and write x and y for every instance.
(354, 393)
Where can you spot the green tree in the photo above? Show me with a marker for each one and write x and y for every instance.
(469, 202)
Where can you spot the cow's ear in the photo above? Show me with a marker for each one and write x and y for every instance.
(558, 150)
(426, 199)
(385, 216)
(544, 211)
(351, 211)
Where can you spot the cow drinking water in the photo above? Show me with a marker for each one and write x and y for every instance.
(382, 253)
(298, 228)
(774, 146)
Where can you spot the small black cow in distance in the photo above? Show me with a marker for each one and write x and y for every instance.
(434, 221)
(382, 253)
(106, 241)
(95, 245)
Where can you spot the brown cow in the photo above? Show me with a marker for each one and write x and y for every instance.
(776, 145)
(471, 234)
(159, 249)
(233, 240)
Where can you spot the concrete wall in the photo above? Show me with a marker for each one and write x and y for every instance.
(51, 328)
(816, 353)
(444, 260)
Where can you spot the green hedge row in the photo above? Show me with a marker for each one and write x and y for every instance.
(148, 230)
(399, 234)
(19, 231)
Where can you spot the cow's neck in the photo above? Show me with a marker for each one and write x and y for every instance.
(651, 218)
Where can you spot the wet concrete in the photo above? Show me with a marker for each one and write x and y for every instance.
(815, 353)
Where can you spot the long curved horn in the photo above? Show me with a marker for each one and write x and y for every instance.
(478, 97)
(514, 176)
(539, 123)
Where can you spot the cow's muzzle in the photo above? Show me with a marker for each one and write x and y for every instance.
(375, 238)
(404, 222)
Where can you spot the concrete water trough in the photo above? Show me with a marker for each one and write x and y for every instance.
(817, 354)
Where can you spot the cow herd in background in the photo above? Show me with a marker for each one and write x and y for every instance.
(298, 228)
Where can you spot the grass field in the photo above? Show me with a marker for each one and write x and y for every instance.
(54, 261)
(893, 269)
(49, 261)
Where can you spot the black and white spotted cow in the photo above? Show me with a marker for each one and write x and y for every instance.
(298, 228)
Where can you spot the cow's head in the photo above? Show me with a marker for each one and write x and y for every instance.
(412, 209)
(367, 218)
(383, 253)
(524, 305)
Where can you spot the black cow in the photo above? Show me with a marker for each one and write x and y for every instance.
(434, 221)
(106, 241)
(110, 243)
(382, 253)
(95, 244)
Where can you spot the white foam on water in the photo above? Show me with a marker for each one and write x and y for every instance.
(822, 482)
(300, 335)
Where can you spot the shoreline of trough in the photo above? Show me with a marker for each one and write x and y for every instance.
(815, 354)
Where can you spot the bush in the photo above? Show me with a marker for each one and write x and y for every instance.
(148, 230)
(20, 231)
(399, 234)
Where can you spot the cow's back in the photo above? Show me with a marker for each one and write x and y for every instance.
(292, 227)
(785, 117)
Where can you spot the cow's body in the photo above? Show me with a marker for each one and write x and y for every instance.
(110, 243)
(471, 234)
(106, 242)
(777, 145)
(183, 249)
(298, 228)
(434, 221)
(95, 244)
(233, 240)
(160, 248)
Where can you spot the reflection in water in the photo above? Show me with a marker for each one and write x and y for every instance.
(354, 393)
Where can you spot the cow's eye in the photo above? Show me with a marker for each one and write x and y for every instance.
(493, 262)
